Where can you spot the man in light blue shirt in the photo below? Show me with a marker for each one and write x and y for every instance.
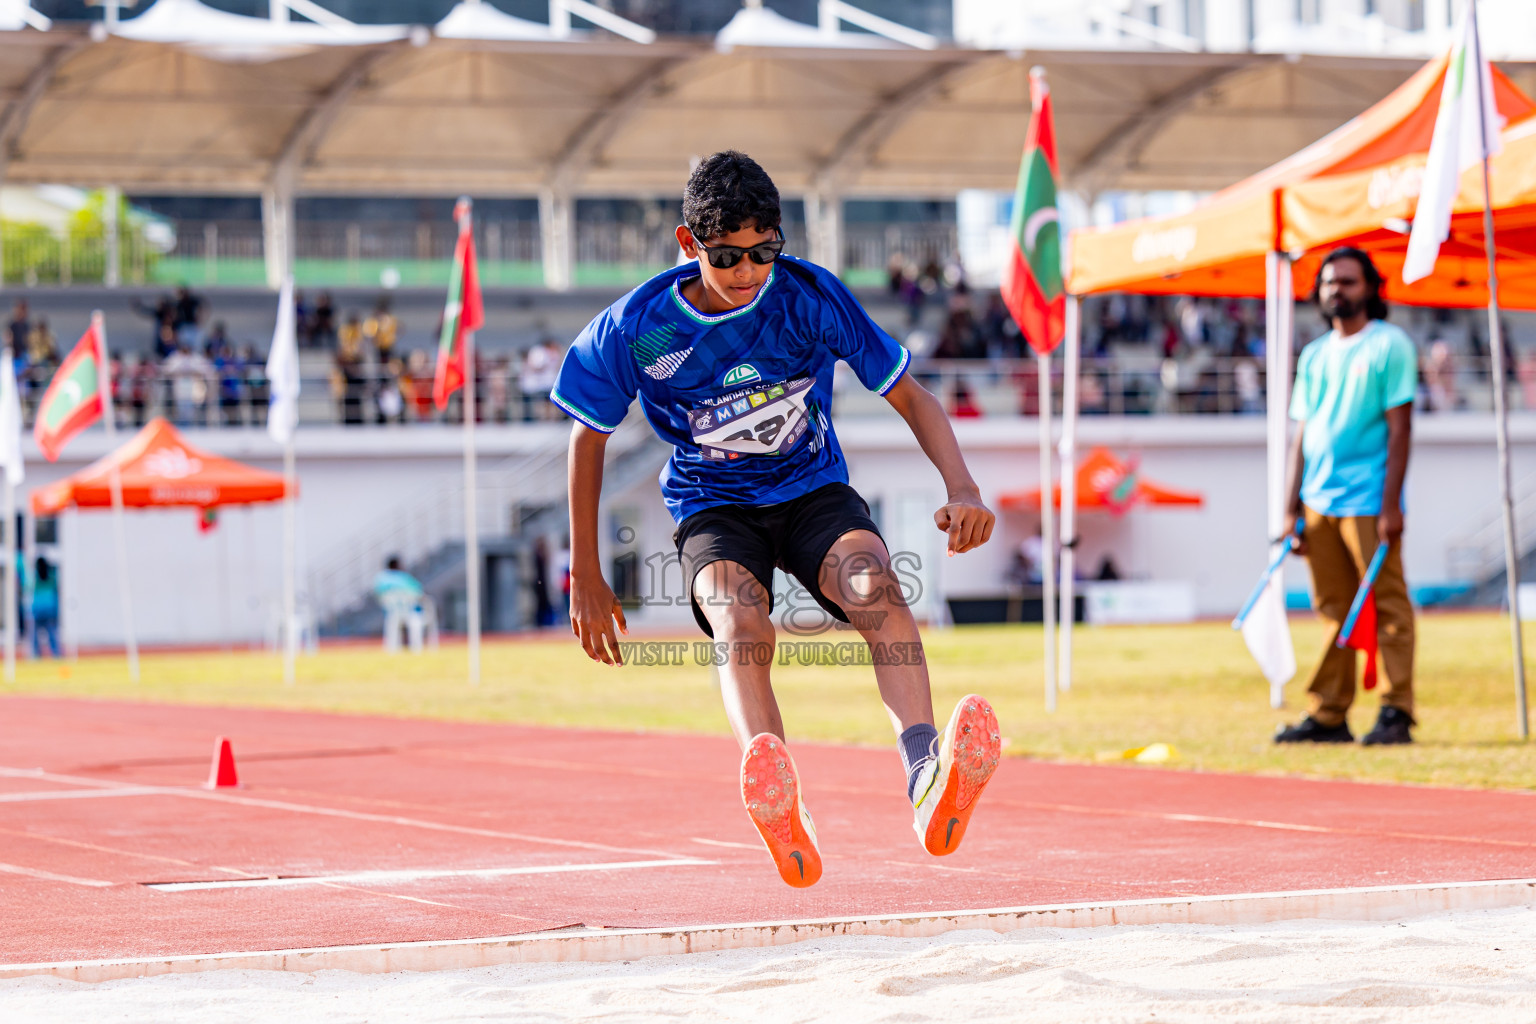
(1353, 404)
(400, 595)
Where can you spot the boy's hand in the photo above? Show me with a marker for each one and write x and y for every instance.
(967, 521)
(593, 611)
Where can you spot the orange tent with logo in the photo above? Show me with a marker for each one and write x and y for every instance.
(159, 469)
(1219, 247)
(1372, 209)
(1106, 484)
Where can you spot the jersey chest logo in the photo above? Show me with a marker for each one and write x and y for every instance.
(766, 420)
(738, 376)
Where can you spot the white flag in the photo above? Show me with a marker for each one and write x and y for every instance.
(10, 423)
(1267, 633)
(1466, 128)
(283, 370)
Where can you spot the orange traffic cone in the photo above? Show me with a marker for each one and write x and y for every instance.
(222, 774)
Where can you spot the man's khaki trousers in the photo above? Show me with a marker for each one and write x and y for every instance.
(1339, 548)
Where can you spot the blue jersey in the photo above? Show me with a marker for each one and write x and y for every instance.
(742, 396)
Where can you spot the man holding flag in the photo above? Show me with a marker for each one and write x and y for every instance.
(1353, 403)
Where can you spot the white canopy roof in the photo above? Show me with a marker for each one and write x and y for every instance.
(599, 115)
(224, 36)
(761, 26)
(475, 20)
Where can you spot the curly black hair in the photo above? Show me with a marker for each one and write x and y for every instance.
(727, 192)
(1375, 305)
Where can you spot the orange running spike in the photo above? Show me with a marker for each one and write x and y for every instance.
(968, 753)
(770, 787)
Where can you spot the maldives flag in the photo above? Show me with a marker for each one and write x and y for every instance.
(73, 399)
(1363, 637)
(1032, 285)
(463, 313)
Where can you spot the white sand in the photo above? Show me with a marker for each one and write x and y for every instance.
(1460, 968)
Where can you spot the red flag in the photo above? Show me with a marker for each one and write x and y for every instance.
(462, 314)
(1032, 286)
(73, 399)
(1363, 637)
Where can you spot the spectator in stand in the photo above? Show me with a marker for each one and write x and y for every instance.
(19, 330)
(187, 318)
(323, 323)
(958, 339)
(498, 388)
(230, 370)
(216, 345)
(191, 381)
(303, 321)
(42, 349)
(165, 344)
(350, 381)
(391, 398)
(541, 364)
(380, 329)
(255, 384)
(419, 371)
(141, 383)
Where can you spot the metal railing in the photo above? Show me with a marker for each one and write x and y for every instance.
(1130, 383)
(414, 531)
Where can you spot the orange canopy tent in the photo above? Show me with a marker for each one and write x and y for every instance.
(1106, 484)
(1372, 208)
(159, 469)
(1219, 247)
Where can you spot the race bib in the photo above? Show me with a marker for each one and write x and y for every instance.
(767, 420)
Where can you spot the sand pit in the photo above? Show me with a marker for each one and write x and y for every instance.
(1460, 968)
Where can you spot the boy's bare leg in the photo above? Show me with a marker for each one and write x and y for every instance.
(736, 607)
(856, 575)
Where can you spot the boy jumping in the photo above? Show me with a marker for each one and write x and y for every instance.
(731, 357)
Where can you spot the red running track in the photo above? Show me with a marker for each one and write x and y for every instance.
(100, 801)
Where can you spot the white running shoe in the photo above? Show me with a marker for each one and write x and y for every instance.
(950, 783)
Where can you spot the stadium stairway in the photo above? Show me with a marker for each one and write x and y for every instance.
(518, 501)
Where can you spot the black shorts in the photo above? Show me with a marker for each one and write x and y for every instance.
(793, 535)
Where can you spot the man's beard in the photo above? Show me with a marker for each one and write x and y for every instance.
(1341, 308)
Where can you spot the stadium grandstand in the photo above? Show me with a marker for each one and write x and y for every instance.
(169, 162)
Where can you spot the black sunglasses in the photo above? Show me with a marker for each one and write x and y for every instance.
(724, 257)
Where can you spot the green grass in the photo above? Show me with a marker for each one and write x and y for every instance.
(1193, 686)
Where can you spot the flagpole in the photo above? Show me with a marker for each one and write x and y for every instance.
(471, 492)
(1500, 410)
(1047, 533)
(115, 476)
(1068, 451)
(290, 566)
(9, 576)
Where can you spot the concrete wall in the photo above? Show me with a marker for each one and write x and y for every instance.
(202, 588)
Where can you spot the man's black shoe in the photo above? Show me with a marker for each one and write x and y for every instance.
(1310, 730)
(1391, 726)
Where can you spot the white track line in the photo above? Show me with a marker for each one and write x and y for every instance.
(387, 877)
(49, 876)
(223, 796)
(73, 794)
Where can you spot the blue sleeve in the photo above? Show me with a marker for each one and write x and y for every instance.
(877, 359)
(1402, 371)
(597, 377)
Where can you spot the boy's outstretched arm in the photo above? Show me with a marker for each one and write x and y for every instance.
(967, 521)
(593, 605)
